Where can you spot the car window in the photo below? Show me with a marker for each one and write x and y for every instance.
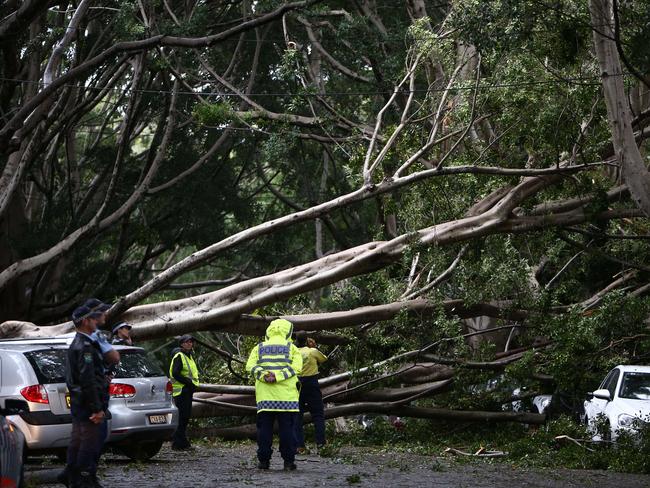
(611, 384)
(605, 382)
(635, 386)
(136, 364)
(48, 364)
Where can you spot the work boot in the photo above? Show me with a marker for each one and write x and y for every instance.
(64, 477)
(289, 466)
(85, 480)
(96, 482)
(73, 478)
(264, 465)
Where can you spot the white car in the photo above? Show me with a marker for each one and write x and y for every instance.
(621, 402)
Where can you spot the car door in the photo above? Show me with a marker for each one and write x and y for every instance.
(610, 406)
(597, 406)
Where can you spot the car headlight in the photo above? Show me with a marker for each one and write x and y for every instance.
(625, 420)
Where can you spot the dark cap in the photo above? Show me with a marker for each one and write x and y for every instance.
(83, 312)
(96, 305)
(120, 325)
(301, 338)
(185, 338)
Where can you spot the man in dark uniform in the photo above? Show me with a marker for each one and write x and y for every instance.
(185, 378)
(88, 387)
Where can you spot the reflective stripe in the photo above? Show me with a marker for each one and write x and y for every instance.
(276, 368)
(258, 371)
(277, 405)
(273, 357)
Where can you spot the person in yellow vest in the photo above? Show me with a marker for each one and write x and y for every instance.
(311, 399)
(275, 364)
(185, 378)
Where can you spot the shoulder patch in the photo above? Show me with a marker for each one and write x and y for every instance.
(88, 357)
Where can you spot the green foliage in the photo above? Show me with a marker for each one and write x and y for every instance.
(214, 113)
(544, 447)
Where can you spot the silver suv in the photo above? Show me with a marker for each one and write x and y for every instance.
(142, 414)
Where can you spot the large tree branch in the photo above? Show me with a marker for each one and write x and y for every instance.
(95, 224)
(16, 128)
(367, 191)
(248, 431)
(62, 45)
(633, 169)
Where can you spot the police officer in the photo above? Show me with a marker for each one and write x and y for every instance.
(88, 387)
(111, 356)
(185, 378)
(275, 364)
(122, 335)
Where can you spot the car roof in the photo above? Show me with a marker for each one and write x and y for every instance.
(630, 368)
(40, 343)
(8, 346)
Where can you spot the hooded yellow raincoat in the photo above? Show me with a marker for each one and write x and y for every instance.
(276, 354)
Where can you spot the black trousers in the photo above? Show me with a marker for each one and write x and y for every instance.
(265, 421)
(86, 443)
(311, 400)
(184, 404)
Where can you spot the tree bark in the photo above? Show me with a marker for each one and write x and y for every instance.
(248, 431)
(633, 169)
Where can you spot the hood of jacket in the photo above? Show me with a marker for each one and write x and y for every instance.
(279, 328)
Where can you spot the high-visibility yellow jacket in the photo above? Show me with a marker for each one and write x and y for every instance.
(189, 371)
(276, 354)
(311, 358)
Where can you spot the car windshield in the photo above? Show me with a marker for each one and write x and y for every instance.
(136, 364)
(635, 386)
(48, 364)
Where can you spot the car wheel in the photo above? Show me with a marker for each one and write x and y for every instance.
(142, 451)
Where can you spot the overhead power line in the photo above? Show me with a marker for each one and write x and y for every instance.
(582, 81)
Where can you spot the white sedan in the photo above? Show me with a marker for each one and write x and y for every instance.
(621, 402)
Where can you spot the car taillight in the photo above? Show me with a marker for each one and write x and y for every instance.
(35, 393)
(120, 390)
(169, 388)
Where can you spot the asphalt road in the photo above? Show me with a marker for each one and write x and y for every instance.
(235, 466)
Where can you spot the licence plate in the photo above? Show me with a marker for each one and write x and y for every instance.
(67, 400)
(157, 419)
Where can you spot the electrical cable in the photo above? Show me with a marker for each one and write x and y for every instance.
(582, 80)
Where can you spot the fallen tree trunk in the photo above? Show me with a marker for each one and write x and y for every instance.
(233, 396)
(389, 394)
(248, 431)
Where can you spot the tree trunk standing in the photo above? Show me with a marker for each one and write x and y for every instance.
(633, 169)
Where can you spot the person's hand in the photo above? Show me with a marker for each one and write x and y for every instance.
(269, 377)
(97, 417)
(311, 342)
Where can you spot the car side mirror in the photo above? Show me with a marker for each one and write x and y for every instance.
(602, 394)
(14, 407)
